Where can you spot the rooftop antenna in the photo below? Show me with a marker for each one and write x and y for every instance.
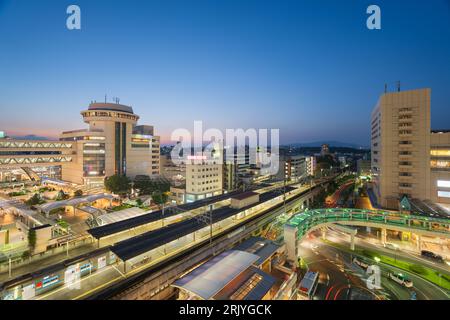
(105, 98)
(385, 88)
(398, 86)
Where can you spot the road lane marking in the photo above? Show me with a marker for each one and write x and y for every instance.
(328, 292)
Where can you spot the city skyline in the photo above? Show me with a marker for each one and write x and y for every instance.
(224, 150)
(226, 67)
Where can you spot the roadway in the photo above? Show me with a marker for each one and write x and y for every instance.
(336, 280)
(333, 200)
(407, 255)
(423, 289)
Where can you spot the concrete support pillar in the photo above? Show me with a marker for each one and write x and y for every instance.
(324, 233)
(352, 242)
(383, 236)
(290, 238)
(419, 242)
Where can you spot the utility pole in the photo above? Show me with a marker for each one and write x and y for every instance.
(284, 195)
(206, 218)
(162, 215)
(210, 226)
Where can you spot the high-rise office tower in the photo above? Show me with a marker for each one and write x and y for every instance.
(401, 146)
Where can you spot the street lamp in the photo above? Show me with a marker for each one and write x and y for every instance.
(395, 252)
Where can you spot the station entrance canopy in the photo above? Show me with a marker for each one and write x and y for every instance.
(47, 207)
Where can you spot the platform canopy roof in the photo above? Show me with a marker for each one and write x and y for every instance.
(120, 215)
(212, 276)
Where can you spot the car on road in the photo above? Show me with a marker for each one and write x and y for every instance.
(400, 279)
(390, 246)
(360, 263)
(432, 255)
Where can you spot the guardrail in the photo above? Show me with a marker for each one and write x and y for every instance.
(307, 220)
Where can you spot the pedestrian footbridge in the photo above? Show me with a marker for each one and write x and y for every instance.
(304, 222)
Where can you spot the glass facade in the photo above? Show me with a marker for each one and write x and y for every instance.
(120, 148)
(94, 159)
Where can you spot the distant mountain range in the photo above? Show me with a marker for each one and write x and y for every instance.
(330, 143)
(30, 137)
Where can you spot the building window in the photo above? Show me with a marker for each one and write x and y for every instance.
(444, 153)
(444, 194)
(440, 164)
(405, 185)
(443, 183)
(405, 174)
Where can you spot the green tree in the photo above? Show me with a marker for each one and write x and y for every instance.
(118, 184)
(159, 197)
(25, 255)
(61, 196)
(147, 186)
(31, 239)
(34, 200)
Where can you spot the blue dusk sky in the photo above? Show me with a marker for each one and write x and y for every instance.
(309, 68)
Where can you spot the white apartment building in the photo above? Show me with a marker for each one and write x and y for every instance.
(204, 177)
(296, 167)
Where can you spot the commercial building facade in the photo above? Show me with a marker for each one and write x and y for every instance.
(296, 167)
(440, 166)
(112, 144)
(204, 176)
(402, 152)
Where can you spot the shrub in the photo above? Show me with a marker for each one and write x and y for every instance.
(417, 269)
(369, 253)
(26, 255)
